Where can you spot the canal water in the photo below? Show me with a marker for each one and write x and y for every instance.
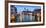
(27, 18)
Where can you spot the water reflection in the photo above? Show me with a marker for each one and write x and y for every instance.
(27, 18)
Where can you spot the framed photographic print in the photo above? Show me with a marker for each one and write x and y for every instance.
(20, 13)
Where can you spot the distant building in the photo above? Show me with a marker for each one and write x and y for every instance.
(27, 16)
(26, 12)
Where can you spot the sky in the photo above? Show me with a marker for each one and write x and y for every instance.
(30, 8)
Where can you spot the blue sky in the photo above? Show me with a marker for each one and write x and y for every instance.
(30, 8)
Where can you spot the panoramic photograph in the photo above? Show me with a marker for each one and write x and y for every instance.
(23, 13)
